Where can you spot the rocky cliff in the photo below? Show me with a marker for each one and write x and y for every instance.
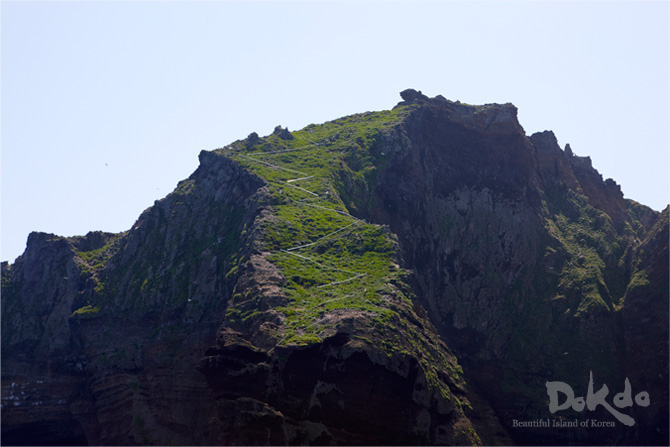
(413, 276)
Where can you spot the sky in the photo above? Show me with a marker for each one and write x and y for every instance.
(106, 105)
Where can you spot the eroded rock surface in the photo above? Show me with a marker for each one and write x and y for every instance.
(495, 262)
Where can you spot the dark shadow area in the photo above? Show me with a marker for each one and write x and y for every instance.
(60, 432)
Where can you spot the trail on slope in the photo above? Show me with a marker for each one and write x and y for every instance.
(330, 289)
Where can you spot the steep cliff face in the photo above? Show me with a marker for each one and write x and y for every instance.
(399, 277)
(525, 259)
(645, 329)
(102, 334)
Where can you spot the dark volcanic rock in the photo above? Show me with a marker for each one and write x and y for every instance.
(283, 133)
(412, 95)
(502, 263)
(334, 392)
(252, 139)
(644, 318)
(115, 364)
(522, 257)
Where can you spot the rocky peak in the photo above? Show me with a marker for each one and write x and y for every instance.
(252, 139)
(410, 95)
(604, 195)
(552, 163)
(282, 133)
(492, 119)
(545, 142)
(406, 276)
(558, 167)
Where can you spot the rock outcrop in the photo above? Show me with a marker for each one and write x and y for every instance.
(523, 256)
(412, 276)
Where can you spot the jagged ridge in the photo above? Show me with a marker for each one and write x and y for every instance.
(317, 252)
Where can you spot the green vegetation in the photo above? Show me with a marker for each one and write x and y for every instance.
(92, 262)
(579, 287)
(588, 242)
(87, 311)
(166, 262)
(331, 260)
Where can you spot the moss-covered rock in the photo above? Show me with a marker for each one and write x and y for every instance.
(412, 276)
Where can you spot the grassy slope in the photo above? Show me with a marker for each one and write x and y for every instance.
(332, 260)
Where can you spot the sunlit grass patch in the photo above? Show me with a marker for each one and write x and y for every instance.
(331, 260)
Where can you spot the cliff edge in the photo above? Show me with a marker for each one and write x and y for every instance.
(411, 276)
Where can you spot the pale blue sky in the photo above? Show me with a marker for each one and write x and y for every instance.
(106, 105)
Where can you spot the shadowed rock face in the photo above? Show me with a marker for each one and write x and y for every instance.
(524, 260)
(124, 372)
(521, 266)
(330, 393)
